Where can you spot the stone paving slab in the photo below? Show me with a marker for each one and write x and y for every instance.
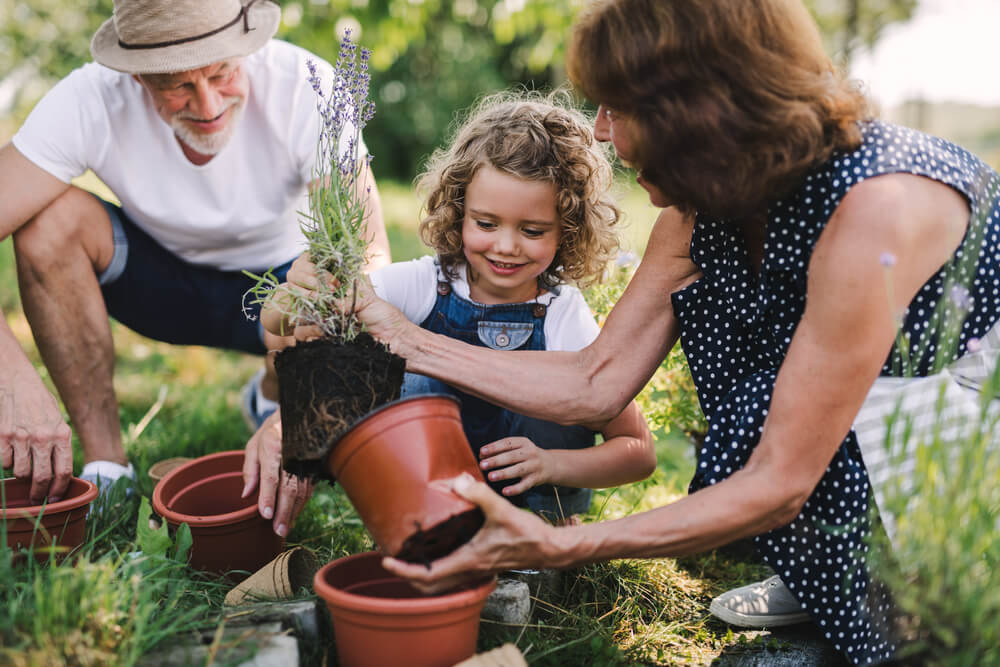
(510, 603)
(300, 617)
(793, 646)
(265, 634)
(265, 645)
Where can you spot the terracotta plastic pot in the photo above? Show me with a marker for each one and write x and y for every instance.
(63, 523)
(158, 470)
(392, 465)
(227, 532)
(379, 619)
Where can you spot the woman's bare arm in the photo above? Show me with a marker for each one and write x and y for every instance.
(835, 355)
(591, 386)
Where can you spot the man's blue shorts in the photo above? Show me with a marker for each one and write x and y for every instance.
(155, 293)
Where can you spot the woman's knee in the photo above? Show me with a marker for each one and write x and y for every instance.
(74, 222)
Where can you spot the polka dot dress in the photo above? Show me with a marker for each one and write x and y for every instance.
(736, 329)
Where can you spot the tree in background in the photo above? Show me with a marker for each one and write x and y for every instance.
(431, 58)
(848, 24)
(436, 57)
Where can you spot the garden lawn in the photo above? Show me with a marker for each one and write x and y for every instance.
(184, 401)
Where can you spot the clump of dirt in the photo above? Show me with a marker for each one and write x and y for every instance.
(424, 546)
(325, 387)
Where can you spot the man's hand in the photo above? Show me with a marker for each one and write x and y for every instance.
(515, 457)
(262, 465)
(34, 439)
(510, 538)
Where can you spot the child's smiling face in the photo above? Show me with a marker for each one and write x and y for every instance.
(510, 235)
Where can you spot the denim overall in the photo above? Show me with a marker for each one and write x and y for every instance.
(515, 326)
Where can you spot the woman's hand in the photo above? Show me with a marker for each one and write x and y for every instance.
(515, 457)
(510, 538)
(383, 320)
(282, 495)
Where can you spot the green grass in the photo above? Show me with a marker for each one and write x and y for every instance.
(102, 609)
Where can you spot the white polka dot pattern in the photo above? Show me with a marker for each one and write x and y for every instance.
(736, 330)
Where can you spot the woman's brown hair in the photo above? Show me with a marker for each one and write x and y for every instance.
(537, 138)
(732, 101)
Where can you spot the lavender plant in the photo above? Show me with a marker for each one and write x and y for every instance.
(334, 225)
(940, 552)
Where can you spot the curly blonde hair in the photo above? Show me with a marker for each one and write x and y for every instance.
(539, 138)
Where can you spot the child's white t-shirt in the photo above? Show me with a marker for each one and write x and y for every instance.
(412, 287)
(240, 209)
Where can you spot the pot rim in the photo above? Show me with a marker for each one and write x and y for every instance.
(173, 462)
(87, 496)
(385, 406)
(199, 520)
(473, 594)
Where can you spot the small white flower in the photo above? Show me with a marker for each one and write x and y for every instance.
(887, 259)
(974, 345)
(627, 258)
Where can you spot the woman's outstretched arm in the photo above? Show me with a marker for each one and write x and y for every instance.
(835, 354)
(591, 386)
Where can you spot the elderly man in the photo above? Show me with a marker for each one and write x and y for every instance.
(206, 130)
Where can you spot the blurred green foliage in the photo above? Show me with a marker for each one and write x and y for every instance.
(941, 547)
(431, 58)
(669, 400)
(943, 565)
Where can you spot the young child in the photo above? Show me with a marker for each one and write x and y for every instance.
(517, 208)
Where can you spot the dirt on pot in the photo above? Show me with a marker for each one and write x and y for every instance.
(324, 388)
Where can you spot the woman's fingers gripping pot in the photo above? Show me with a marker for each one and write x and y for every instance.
(510, 538)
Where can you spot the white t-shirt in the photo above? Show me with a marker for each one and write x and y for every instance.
(412, 287)
(240, 209)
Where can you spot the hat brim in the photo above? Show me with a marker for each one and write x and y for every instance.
(233, 42)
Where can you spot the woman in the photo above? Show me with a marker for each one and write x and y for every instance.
(784, 208)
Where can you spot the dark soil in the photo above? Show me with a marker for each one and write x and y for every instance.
(424, 546)
(324, 388)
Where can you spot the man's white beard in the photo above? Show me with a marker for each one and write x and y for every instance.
(208, 144)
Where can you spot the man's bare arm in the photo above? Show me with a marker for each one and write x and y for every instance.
(34, 438)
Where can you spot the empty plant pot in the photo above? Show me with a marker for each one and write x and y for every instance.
(380, 619)
(278, 580)
(158, 470)
(62, 525)
(393, 465)
(227, 532)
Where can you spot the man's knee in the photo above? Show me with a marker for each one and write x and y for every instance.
(74, 222)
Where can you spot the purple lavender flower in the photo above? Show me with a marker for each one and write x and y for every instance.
(887, 259)
(313, 78)
(959, 295)
(345, 110)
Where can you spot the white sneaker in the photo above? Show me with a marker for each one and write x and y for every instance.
(254, 413)
(104, 474)
(765, 604)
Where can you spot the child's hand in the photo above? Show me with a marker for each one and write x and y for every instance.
(515, 457)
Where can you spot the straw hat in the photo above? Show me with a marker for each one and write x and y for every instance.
(161, 36)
